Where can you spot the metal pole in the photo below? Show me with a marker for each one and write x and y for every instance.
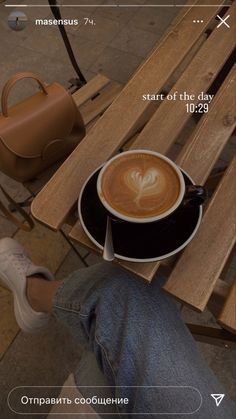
(57, 14)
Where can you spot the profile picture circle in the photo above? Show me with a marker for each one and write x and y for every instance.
(17, 20)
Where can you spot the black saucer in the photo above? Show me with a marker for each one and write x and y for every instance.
(138, 242)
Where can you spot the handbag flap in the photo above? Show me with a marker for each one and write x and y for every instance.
(37, 121)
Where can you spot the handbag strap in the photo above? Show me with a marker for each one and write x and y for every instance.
(12, 81)
(27, 224)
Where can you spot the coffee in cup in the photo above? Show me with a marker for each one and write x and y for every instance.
(140, 186)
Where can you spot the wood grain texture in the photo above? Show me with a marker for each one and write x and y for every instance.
(166, 124)
(185, 63)
(114, 127)
(196, 272)
(90, 110)
(90, 89)
(212, 133)
(227, 317)
(218, 297)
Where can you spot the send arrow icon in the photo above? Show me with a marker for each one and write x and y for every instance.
(218, 398)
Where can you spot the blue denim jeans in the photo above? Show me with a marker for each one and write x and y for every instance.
(134, 334)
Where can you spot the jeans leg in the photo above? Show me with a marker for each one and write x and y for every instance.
(139, 339)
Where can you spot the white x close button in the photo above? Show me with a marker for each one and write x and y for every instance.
(223, 21)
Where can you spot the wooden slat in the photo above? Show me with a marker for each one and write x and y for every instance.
(185, 63)
(227, 317)
(208, 140)
(166, 124)
(92, 109)
(230, 267)
(203, 149)
(210, 137)
(214, 179)
(196, 272)
(90, 89)
(114, 127)
(143, 270)
(218, 297)
(213, 336)
(215, 128)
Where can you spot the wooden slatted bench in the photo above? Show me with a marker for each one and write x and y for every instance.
(132, 123)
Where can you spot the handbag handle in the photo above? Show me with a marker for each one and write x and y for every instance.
(27, 224)
(12, 81)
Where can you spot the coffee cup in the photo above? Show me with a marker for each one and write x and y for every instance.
(142, 186)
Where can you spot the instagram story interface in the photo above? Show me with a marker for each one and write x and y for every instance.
(117, 208)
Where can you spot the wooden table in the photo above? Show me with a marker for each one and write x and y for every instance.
(188, 58)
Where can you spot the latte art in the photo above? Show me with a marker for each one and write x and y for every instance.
(140, 185)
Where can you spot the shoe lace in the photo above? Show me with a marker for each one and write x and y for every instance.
(21, 261)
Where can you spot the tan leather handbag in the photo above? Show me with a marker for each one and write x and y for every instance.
(38, 131)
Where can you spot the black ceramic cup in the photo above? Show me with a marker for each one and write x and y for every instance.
(193, 195)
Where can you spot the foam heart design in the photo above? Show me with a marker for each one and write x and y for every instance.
(143, 184)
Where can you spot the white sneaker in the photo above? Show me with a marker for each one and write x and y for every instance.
(15, 267)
